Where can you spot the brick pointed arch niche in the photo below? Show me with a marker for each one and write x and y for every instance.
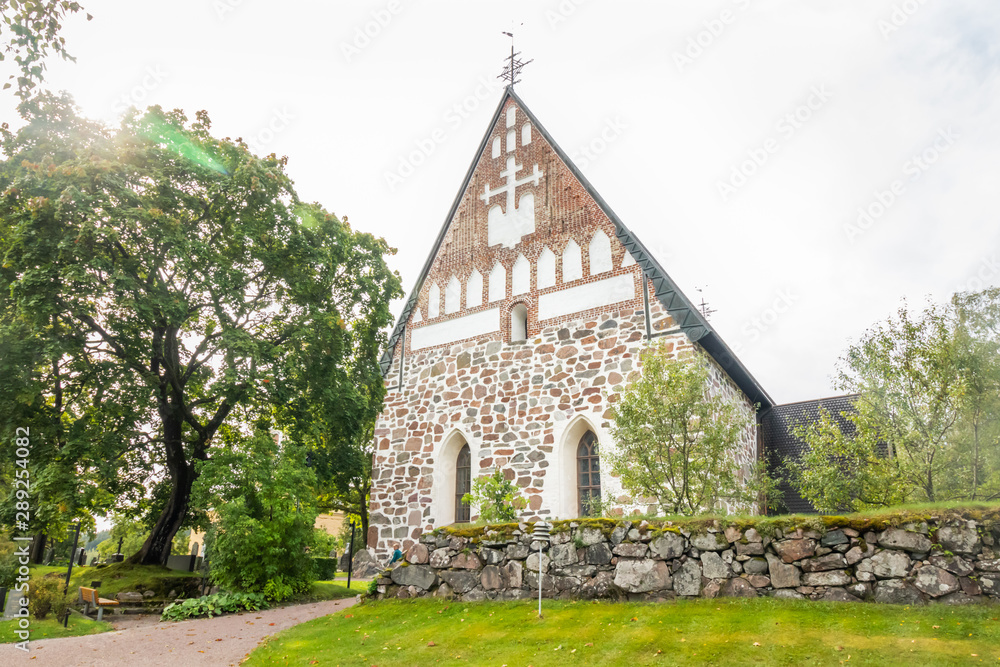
(445, 469)
(507, 316)
(562, 497)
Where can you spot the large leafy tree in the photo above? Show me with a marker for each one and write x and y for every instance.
(676, 440)
(904, 371)
(194, 289)
(926, 420)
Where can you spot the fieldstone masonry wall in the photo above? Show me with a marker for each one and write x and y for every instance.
(952, 560)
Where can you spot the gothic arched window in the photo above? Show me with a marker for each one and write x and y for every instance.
(588, 477)
(463, 484)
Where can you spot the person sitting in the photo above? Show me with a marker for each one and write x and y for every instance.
(397, 555)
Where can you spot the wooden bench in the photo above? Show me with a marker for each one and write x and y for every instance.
(89, 596)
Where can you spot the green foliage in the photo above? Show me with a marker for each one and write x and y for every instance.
(8, 562)
(324, 569)
(45, 596)
(28, 32)
(324, 543)
(839, 473)
(496, 498)
(677, 440)
(157, 284)
(132, 532)
(216, 604)
(263, 530)
(372, 589)
(8, 570)
(927, 419)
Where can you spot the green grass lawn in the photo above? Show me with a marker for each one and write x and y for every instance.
(50, 628)
(695, 632)
(120, 577)
(334, 590)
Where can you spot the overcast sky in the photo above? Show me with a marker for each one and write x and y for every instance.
(739, 139)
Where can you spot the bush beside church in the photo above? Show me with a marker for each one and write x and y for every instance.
(952, 557)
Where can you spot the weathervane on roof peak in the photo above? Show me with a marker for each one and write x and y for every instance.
(514, 64)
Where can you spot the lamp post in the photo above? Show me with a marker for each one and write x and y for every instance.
(350, 557)
(541, 535)
(76, 542)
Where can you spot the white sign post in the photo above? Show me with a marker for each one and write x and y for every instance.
(541, 534)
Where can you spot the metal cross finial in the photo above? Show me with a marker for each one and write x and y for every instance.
(514, 64)
(703, 306)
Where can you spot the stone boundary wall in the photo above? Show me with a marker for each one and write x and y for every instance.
(952, 559)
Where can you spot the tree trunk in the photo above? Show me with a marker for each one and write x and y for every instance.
(156, 549)
(38, 548)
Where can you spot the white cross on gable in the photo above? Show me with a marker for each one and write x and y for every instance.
(507, 226)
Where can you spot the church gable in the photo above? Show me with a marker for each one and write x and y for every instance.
(519, 168)
(525, 230)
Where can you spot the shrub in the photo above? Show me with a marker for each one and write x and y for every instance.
(8, 570)
(260, 540)
(324, 568)
(496, 497)
(214, 605)
(45, 596)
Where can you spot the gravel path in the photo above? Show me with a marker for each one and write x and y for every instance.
(215, 642)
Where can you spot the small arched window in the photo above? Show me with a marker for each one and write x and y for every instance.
(588, 477)
(518, 323)
(463, 484)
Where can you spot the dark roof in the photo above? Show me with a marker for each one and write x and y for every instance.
(780, 444)
(684, 313)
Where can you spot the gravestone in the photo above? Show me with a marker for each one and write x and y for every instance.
(13, 605)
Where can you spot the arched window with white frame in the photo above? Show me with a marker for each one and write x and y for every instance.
(463, 484)
(588, 478)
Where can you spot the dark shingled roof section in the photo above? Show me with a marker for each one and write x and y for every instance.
(684, 313)
(781, 445)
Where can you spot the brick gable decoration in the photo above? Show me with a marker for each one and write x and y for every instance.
(527, 319)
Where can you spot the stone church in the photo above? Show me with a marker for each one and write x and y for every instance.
(530, 313)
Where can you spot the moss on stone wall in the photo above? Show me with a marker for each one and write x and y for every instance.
(986, 514)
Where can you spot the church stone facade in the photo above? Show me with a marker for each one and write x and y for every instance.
(528, 318)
